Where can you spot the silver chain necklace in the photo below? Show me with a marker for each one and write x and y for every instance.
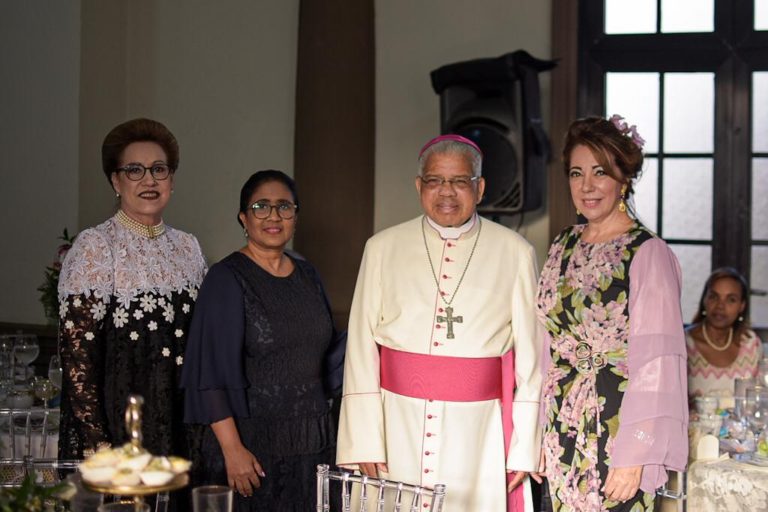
(449, 319)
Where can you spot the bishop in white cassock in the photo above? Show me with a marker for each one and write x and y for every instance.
(443, 350)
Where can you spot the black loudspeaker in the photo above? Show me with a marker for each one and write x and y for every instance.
(478, 100)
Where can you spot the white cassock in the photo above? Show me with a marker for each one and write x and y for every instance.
(396, 305)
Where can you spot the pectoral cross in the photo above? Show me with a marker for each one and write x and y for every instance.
(449, 319)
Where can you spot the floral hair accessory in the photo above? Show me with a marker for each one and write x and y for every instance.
(625, 129)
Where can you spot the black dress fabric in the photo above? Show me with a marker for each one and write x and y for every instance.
(256, 352)
(125, 306)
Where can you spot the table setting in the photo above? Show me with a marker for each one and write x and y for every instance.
(28, 422)
(728, 437)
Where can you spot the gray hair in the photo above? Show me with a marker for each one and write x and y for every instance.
(455, 147)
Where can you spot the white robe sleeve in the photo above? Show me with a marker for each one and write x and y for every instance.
(525, 447)
(361, 423)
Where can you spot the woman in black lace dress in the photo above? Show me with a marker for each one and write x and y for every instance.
(126, 293)
(255, 361)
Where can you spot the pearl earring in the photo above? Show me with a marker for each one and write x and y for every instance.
(703, 312)
(741, 318)
(245, 233)
(117, 194)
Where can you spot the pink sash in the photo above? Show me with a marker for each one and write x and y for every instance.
(434, 378)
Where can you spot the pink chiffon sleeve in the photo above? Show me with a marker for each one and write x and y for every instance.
(653, 419)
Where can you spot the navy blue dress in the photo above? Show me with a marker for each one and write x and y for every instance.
(256, 351)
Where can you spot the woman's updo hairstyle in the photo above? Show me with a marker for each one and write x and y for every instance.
(615, 146)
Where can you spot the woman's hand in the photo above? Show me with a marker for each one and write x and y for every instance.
(519, 476)
(622, 483)
(540, 475)
(243, 470)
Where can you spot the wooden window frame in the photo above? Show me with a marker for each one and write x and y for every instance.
(732, 52)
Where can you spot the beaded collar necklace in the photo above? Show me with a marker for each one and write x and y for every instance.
(139, 228)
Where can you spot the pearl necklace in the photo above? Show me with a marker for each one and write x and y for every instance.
(139, 228)
(709, 341)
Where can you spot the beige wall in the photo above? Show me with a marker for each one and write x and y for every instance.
(412, 39)
(40, 59)
(222, 77)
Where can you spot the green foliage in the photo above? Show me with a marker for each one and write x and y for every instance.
(30, 496)
(49, 293)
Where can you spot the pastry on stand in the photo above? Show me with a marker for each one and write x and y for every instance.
(130, 470)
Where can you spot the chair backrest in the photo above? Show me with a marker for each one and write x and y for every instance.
(676, 489)
(26, 432)
(399, 492)
(46, 471)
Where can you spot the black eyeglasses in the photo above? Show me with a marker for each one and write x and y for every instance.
(136, 171)
(459, 182)
(285, 210)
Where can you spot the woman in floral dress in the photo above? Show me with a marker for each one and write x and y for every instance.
(126, 293)
(614, 398)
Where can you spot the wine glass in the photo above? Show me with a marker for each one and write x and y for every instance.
(740, 387)
(6, 360)
(55, 371)
(762, 372)
(26, 350)
(44, 390)
(756, 408)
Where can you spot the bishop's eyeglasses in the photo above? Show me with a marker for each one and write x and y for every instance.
(285, 210)
(457, 183)
(136, 171)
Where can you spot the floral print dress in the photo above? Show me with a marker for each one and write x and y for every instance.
(583, 301)
(126, 302)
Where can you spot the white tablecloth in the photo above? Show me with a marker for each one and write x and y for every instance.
(727, 485)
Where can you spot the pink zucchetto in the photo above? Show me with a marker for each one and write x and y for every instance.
(453, 137)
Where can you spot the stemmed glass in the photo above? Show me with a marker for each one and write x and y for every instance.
(762, 372)
(55, 371)
(44, 390)
(6, 366)
(26, 350)
(756, 408)
(740, 397)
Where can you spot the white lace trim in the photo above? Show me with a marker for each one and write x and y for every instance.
(111, 261)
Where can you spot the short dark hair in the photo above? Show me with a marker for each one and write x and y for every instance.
(726, 273)
(137, 130)
(259, 178)
(608, 145)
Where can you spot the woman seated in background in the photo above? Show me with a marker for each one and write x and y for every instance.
(721, 346)
(254, 365)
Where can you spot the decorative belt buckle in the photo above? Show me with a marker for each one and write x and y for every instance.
(599, 360)
(583, 366)
(583, 351)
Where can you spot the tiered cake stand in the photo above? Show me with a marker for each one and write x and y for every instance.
(137, 492)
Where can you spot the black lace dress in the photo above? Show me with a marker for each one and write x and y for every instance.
(256, 352)
(125, 306)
